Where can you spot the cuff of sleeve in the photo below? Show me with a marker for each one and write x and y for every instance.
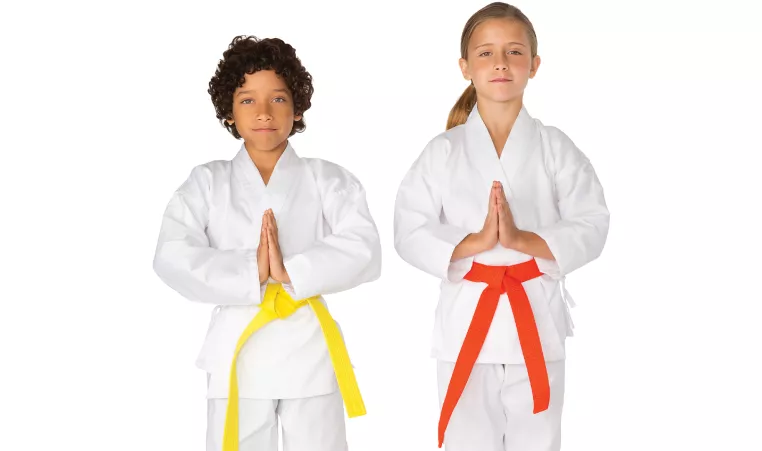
(289, 289)
(450, 237)
(298, 269)
(458, 269)
(551, 268)
(257, 291)
(263, 288)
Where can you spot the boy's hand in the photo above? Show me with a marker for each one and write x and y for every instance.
(277, 270)
(263, 253)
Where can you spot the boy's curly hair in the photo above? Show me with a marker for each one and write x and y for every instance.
(246, 55)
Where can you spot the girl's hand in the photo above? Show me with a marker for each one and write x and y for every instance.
(488, 237)
(508, 233)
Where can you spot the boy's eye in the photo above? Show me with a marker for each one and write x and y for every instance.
(515, 52)
(246, 101)
(485, 53)
(279, 99)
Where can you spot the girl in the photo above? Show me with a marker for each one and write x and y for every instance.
(501, 208)
(263, 236)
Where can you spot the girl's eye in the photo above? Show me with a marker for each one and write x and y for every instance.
(246, 101)
(279, 99)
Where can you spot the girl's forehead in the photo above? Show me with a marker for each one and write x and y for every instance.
(499, 31)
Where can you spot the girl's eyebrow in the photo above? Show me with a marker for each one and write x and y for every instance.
(489, 43)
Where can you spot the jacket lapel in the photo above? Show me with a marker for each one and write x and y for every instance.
(255, 195)
(252, 187)
(481, 151)
(479, 146)
(284, 177)
(520, 144)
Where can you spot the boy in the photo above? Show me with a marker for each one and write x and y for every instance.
(263, 236)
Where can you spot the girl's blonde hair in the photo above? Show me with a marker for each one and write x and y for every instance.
(497, 10)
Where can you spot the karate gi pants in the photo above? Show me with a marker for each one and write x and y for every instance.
(495, 411)
(309, 424)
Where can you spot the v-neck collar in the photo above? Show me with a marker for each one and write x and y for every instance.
(514, 152)
(281, 180)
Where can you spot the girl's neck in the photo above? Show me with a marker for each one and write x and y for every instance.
(499, 118)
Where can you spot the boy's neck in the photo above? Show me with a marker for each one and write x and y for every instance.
(499, 118)
(265, 160)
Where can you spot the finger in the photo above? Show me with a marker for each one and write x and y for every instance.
(273, 238)
(271, 245)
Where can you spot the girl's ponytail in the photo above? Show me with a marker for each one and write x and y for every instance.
(462, 108)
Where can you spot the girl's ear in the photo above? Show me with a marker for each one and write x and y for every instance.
(464, 68)
(535, 66)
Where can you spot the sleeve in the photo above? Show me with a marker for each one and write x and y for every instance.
(184, 259)
(351, 254)
(420, 237)
(579, 237)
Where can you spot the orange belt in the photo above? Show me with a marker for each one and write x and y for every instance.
(499, 280)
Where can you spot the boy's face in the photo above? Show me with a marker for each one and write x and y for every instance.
(263, 111)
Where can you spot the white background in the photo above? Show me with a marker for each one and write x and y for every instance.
(105, 111)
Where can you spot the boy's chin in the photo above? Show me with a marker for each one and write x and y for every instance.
(266, 144)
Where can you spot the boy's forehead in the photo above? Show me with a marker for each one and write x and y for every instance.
(263, 80)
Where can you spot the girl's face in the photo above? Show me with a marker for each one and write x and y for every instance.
(263, 111)
(499, 60)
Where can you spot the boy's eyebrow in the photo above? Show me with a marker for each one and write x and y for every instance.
(247, 91)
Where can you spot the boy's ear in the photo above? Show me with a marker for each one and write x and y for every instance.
(298, 117)
(230, 121)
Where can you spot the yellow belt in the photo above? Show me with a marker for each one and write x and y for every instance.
(278, 304)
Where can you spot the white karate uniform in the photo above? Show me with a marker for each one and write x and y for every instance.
(315, 423)
(553, 191)
(207, 252)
